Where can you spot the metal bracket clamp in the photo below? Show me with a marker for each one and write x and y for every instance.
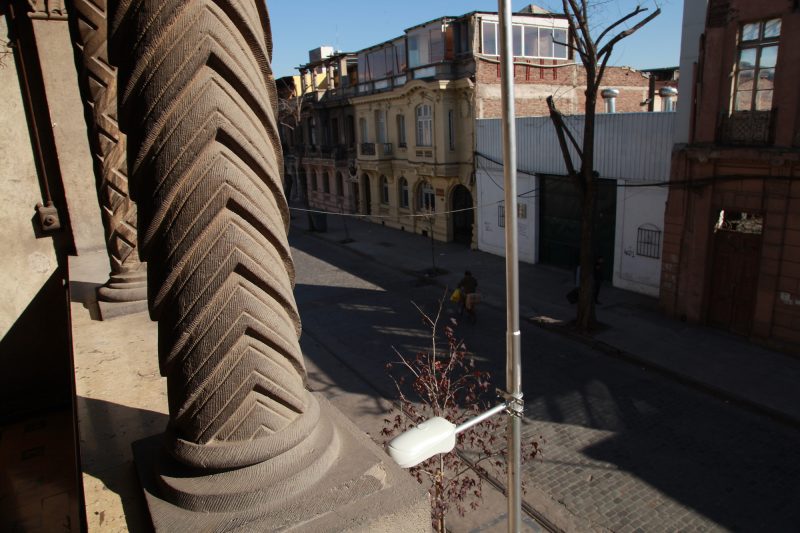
(514, 403)
(48, 217)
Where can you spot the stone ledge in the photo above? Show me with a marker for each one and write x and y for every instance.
(363, 491)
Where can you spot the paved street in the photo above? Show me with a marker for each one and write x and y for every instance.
(625, 448)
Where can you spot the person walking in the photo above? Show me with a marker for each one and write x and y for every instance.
(468, 287)
(598, 278)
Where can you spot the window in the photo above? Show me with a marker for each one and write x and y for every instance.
(380, 126)
(326, 183)
(451, 129)
(335, 131)
(350, 130)
(426, 199)
(427, 45)
(400, 56)
(560, 44)
(501, 216)
(403, 189)
(489, 38)
(527, 41)
(384, 190)
(313, 177)
(312, 131)
(362, 129)
(461, 37)
(401, 131)
(516, 38)
(413, 51)
(648, 241)
(755, 68)
(339, 184)
(437, 45)
(424, 125)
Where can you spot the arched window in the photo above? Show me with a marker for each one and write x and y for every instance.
(339, 184)
(426, 199)
(403, 190)
(384, 190)
(313, 176)
(424, 125)
(326, 182)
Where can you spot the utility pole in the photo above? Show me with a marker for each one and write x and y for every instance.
(513, 345)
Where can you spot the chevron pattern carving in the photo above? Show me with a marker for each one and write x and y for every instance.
(99, 81)
(196, 100)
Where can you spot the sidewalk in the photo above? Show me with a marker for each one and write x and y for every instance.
(714, 361)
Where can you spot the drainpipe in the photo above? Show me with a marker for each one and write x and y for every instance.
(610, 96)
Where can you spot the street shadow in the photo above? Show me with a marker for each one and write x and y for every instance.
(703, 456)
(35, 355)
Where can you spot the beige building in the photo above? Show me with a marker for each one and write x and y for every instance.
(389, 133)
(415, 157)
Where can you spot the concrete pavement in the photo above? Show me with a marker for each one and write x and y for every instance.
(714, 361)
(625, 449)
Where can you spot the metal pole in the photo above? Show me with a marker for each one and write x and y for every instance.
(513, 359)
(481, 417)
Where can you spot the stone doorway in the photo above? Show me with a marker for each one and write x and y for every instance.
(463, 217)
(734, 273)
(367, 195)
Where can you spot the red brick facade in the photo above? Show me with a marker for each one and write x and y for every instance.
(533, 84)
(759, 175)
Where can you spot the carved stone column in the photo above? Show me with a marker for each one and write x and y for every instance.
(126, 290)
(247, 447)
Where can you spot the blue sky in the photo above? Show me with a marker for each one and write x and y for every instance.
(350, 25)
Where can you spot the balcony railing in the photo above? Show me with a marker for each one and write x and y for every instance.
(386, 149)
(747, 128)
(367, 148)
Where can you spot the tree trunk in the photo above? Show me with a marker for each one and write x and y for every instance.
(586, 317)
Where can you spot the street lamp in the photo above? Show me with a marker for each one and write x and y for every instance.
(434, 436)
(437, 435)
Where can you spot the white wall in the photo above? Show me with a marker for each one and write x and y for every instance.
(636, 207)
(491, 236)
(629, 147)
(26, 262)
(694, 21)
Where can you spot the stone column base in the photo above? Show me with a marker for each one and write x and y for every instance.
(124, 293)
(363, 491)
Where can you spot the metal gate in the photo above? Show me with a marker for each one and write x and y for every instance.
(560, 222)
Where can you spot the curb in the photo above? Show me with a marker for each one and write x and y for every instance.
(609, 350)
(688, 381)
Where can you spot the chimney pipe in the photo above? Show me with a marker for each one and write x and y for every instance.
(668, 98)
(610, 96)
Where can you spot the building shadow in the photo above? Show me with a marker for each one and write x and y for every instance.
(694, 453)
(107, 454)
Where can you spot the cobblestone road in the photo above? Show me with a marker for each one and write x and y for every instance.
(625, 449)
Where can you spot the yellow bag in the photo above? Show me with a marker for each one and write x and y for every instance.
(456, 296)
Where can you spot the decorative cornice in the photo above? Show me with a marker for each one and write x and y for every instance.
(47, 9)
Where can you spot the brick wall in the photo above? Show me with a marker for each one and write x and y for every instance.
(567, 84)
(687, 264)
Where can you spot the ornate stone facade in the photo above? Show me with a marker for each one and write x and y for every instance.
(196, 99)
(99, 80)
(46, 9)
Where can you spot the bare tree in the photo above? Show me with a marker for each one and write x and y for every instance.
(594, 53)
(444, 381)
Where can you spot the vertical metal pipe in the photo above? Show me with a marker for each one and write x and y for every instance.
(513, 359)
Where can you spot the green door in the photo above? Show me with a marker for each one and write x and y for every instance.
(560, 225)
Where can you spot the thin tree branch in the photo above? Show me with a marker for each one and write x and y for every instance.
(639, 9)
(630, 31)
